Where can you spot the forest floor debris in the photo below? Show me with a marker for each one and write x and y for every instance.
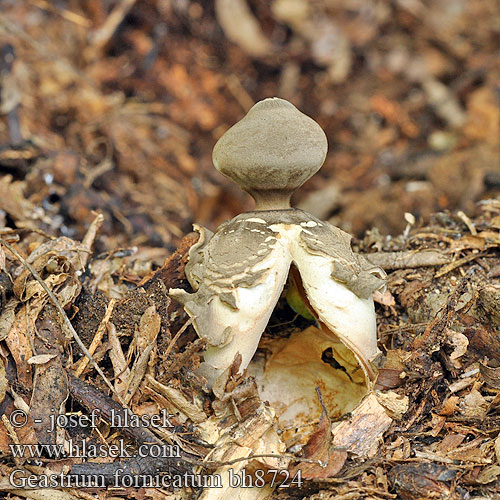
(108, 116)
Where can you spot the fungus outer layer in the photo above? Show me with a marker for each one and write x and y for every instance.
(238, 276)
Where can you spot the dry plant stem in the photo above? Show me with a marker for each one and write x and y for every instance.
(100, 37)
(458, 263)
(409, 259)
(96, 341)
(65, 319)
(176, 337)
(264, 455)
(441, 321)
(12, 434)
(90, 235)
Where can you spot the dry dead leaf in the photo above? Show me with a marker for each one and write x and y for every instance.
(395, 404)
(41, 359)
(320, 447)
(497, 448)
(298, 365)
(240, 441)
(385, 298)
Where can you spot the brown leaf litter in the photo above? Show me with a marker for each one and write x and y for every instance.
(108, 115)
(432, 426)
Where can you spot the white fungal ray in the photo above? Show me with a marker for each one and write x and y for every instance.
(251, 316)
(234, 299)
(239, 274)
(349, 317)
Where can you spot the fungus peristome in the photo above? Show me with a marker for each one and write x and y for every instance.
(239, 272)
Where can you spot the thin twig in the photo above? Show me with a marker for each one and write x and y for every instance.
(96, 341)
(69, 15)
(458, 263)
(100, 37)
(176, 337)
(60, 310)
(261, 455)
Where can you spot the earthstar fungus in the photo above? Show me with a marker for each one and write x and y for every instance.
(239, 272)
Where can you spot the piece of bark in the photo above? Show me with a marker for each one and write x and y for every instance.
(176, 398)
(50, 383)
(422, 480)
(361, 433)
